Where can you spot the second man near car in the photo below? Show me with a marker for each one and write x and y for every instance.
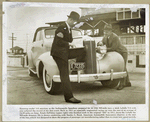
(112, 42)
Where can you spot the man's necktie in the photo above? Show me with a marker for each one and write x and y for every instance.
(70, 30)
(70, 33)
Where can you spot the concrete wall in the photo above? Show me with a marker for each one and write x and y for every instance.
(16, 60)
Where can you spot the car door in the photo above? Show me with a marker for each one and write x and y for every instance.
(37, 46)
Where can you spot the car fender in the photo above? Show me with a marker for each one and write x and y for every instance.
(48, 62)
(30, 61)
(111, 60)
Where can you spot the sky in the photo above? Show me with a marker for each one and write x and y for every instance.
(23, 21)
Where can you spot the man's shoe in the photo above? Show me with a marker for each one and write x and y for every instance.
(128, 84)
(73, 100)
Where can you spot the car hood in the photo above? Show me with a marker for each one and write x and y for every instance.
(78, 40)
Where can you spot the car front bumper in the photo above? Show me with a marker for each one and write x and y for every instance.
(92, 77)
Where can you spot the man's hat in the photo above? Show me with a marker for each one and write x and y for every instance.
(74, 15)
(108, 27)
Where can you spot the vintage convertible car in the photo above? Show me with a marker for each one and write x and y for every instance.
(106, 68)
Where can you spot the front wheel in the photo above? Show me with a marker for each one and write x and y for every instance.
(50, 86)
(110, 84)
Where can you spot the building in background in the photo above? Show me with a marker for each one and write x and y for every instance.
(128, 24)
(17, 50)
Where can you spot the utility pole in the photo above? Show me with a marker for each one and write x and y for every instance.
(12, 38)
(27, 42)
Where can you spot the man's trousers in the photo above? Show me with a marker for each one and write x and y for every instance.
(125, 57)
(64, 70)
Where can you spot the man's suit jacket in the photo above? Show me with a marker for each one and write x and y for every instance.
(113, 44)
(60, 46)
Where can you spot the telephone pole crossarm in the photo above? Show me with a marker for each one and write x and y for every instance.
(12, 38)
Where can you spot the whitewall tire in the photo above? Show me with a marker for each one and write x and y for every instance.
(50, 86)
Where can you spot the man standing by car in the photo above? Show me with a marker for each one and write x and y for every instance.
(61, 53)
(112, 42)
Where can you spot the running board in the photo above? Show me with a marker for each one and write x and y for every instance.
(33, 70)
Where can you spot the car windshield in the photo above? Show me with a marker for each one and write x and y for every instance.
(76, 33)
(50, 33)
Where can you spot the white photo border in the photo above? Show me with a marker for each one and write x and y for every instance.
(11, 112)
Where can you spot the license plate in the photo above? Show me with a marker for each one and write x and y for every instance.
(77, 66)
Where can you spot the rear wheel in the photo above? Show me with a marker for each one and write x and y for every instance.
(50, 86)
(110, 84)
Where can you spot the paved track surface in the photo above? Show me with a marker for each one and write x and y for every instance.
(23, 89)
